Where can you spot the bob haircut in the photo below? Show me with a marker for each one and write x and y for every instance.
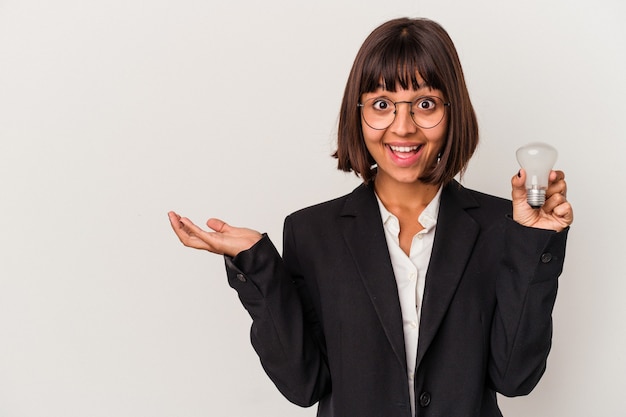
(394, 54)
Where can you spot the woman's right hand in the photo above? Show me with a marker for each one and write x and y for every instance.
(224, 240)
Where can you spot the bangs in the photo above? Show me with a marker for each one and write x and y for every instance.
(397, 63)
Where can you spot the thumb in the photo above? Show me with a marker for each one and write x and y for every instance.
(217, 225)
(518, 184)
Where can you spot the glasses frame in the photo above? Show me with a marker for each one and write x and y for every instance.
(446, 105)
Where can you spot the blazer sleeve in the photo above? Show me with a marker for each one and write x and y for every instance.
(526, 291)
(284, 330)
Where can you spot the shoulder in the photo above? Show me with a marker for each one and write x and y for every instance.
(327, 219)
(490, 201)
(321, 209)
(361, 197)
(478, 204)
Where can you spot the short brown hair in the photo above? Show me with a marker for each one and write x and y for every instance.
(395, 53)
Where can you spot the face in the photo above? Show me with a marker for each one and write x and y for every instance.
(404, 150)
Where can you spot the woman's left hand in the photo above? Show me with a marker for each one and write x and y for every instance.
(555, 214)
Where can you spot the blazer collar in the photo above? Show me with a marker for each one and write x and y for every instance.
(454, 239)
(365, 238)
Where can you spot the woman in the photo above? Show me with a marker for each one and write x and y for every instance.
(412, 295)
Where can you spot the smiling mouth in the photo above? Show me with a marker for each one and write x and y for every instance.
(405, 151)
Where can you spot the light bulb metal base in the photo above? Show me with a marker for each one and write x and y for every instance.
(536, 197)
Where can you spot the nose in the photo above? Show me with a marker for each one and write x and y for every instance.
(403, 123)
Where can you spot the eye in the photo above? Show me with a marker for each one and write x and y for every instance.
(426, 104)
(381, 104)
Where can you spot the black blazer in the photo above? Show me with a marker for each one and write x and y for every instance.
(327, 324)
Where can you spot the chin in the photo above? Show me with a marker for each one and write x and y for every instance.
(407, 179)
(401, 176)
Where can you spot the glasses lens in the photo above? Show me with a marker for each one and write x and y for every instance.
(380, 112)
(428, 112)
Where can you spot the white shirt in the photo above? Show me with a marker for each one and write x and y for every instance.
(410, 274)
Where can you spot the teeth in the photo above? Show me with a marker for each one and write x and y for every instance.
(404, 148)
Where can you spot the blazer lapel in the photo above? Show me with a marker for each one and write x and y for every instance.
(365, 238)
(455, 236)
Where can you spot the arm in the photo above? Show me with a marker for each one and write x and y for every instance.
(284, 327)
(534, 251)
(526, 290)
(284, 332)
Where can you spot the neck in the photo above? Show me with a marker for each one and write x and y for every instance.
(404, 195)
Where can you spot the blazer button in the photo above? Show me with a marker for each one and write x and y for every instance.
(241, 277)
(546, 257)
(424, 399)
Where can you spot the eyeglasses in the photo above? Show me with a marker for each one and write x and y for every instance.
(426, 112)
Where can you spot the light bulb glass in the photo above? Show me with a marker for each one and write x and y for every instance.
(537, 159)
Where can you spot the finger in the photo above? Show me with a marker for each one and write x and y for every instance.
(564, 212)
(217, 225)
(518, 192)
(552, 202)
(192, 236)
(181, 231)
(179, 227)
(557, 184)
(189, 227)
(174, 221)
(556, 175)
(559, 187)
(173, 216)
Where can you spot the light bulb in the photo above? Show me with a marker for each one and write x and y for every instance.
(537, 159)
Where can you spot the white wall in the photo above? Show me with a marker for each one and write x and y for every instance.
(114, 112)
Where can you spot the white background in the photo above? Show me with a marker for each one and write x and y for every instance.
(114, 112)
